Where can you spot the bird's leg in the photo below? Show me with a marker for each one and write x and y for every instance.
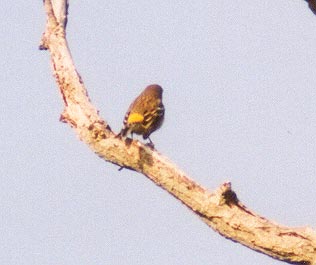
(150, 144)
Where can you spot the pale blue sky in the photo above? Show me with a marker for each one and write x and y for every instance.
(239, 90)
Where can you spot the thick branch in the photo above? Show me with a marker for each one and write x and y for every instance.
(221, 209)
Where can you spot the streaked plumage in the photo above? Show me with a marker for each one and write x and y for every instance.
(145, 114)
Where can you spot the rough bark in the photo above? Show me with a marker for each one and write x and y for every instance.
(221, 209)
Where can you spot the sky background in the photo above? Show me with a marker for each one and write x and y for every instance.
(239, 90)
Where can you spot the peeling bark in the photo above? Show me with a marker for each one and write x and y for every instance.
(221, 209)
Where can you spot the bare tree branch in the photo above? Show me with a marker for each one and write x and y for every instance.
(221, 209)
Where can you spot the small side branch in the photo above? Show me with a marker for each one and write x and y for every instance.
(221, 209)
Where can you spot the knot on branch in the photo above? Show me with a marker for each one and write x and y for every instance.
(230, 197)
(224, 195)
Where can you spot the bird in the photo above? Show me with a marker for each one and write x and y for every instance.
(145, 114)
(312, 5)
